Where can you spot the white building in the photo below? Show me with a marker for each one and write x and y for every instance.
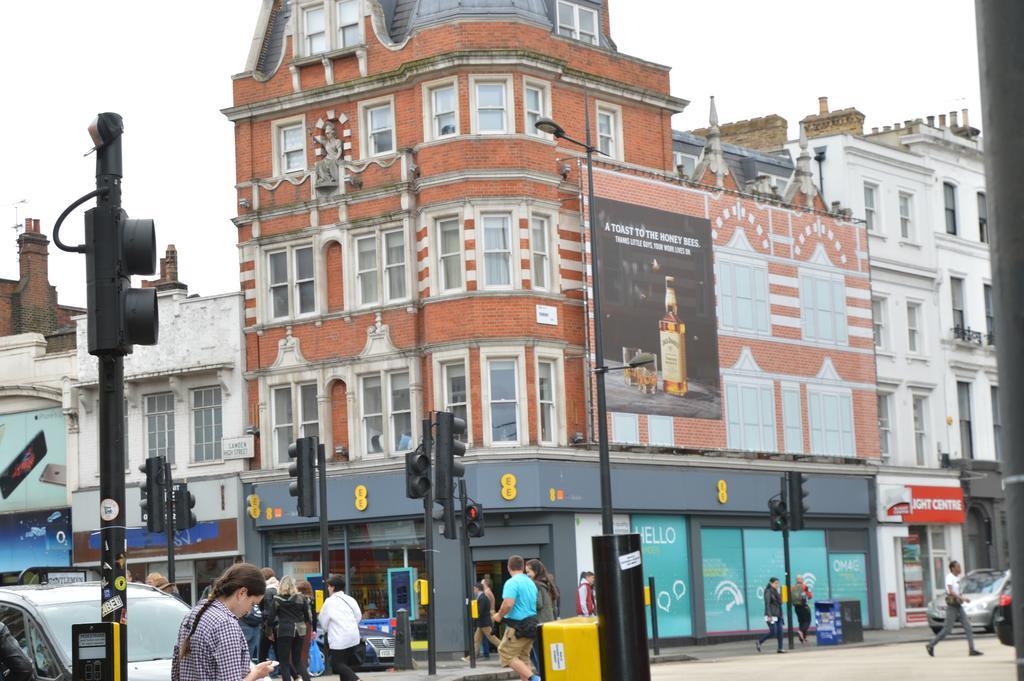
(920, 186)
(186, 400)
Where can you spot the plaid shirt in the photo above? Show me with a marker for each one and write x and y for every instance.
(218, 650)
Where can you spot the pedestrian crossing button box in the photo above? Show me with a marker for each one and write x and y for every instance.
(98, 652)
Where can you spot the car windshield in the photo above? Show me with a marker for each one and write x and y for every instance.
(982, 583)
(152, 638)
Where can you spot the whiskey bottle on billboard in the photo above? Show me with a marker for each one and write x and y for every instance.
(673, 343)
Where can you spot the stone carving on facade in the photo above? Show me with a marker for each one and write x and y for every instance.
(803, 178)
(328, 167)
(713, 153)
(378, 339)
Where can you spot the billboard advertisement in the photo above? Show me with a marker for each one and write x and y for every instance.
(33, 460)
(35, 539)
(657, 296)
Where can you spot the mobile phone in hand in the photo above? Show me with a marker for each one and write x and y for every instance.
(22, 465)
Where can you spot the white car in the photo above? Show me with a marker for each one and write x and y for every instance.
(982, 587)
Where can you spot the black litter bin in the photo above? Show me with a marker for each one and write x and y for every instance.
(853, 627)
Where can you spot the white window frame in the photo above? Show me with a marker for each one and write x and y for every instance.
(574, 29)
(545, 106)
(920, 436)
(509, 109)
(168, 419)
(388, 267)
(299, 423)
(394, 412)
(443, 286)
(325, 33)
(364, 415)
(622, 422)
(839, 319)
(277, 129)
(212, 448)
(513, 250)
(548, 243)
(792, 432)
(840, 395)
(736, 422)
(387, 413)
(880, 322)
(279, 422)
(688, 163)
(429, 113)
(915, 327)
(440, 361)
(365, 133)
(872, 214)
(381, 267)
(557, 403)
(517, 355)
(662, 421)
(760, 301)
(339, 29)
(907, 226)
(292, 283)
(886, 441)
(607, 108)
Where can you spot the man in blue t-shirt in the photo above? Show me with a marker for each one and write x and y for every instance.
(519, 610)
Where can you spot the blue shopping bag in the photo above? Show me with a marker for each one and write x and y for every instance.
(316, 658)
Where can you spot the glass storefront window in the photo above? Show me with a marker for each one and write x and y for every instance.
(724, 580)
(917, 580)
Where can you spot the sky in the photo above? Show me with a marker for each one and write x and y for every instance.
(166, 67)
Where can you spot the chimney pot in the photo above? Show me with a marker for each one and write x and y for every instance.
(35, 225)
(963, 115)
(931, 121)
(28, 225)
(942, 120)
(886, 128)
(952, 119)
(896, 125)
(907, 123)
(822, 106)
(874, 131)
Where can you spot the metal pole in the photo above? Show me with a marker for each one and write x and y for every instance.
(113, 547)
(325, 555)
(607, 523)
(654, 616)
(428, 559)
(785, 550)
(467, 561)
(169, 517)
(1001, 62)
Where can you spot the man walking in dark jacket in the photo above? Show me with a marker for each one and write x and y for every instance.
(772, 613)
(17, 665)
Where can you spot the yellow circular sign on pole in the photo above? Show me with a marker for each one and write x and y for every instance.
(120, 583)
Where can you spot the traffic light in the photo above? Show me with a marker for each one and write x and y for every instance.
(475, 520)
(303, 469)
(115, 249)
(154, 508)
(184, 502)
(780, 515)
(798, 507)
(449, 428)
(417, 474)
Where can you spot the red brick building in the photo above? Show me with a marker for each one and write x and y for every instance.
(409, 242)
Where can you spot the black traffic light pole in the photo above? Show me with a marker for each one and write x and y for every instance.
(1001, 62)
(467, 561)
(170, 518)
(785, 550)
(428, 530)
(325, 556)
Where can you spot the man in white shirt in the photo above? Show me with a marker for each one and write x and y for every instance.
(340, 617)
(954, 611)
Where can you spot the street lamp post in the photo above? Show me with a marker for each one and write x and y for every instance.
(622, 624)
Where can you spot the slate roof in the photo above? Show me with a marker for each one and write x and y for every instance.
(744, 163)
(408, 15)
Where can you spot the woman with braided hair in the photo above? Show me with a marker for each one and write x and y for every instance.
(211, 646)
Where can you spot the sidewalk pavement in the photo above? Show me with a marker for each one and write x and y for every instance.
(489, 670)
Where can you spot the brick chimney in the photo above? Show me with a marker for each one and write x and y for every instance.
(849, 121)
(34, 301)
(168, 273)
(606, 22)
(767, 133)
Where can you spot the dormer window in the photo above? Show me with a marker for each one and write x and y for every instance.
(579, 23)
(328, 25)
(348, 23)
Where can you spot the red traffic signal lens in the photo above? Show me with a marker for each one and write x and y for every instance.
(473, 513)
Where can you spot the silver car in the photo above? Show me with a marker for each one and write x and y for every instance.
(982, 587)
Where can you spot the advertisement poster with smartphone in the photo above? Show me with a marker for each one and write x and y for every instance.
(658, 301)
(33, 460)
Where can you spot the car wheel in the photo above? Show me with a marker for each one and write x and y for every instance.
(935, 629)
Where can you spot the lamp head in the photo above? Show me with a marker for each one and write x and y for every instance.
(643, 359)
(550, 127)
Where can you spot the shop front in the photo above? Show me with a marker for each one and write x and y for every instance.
(920, 530)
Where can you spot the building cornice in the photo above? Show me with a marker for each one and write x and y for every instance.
(929, 274)
(869, 154)
(959, 244)
(409, 71)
